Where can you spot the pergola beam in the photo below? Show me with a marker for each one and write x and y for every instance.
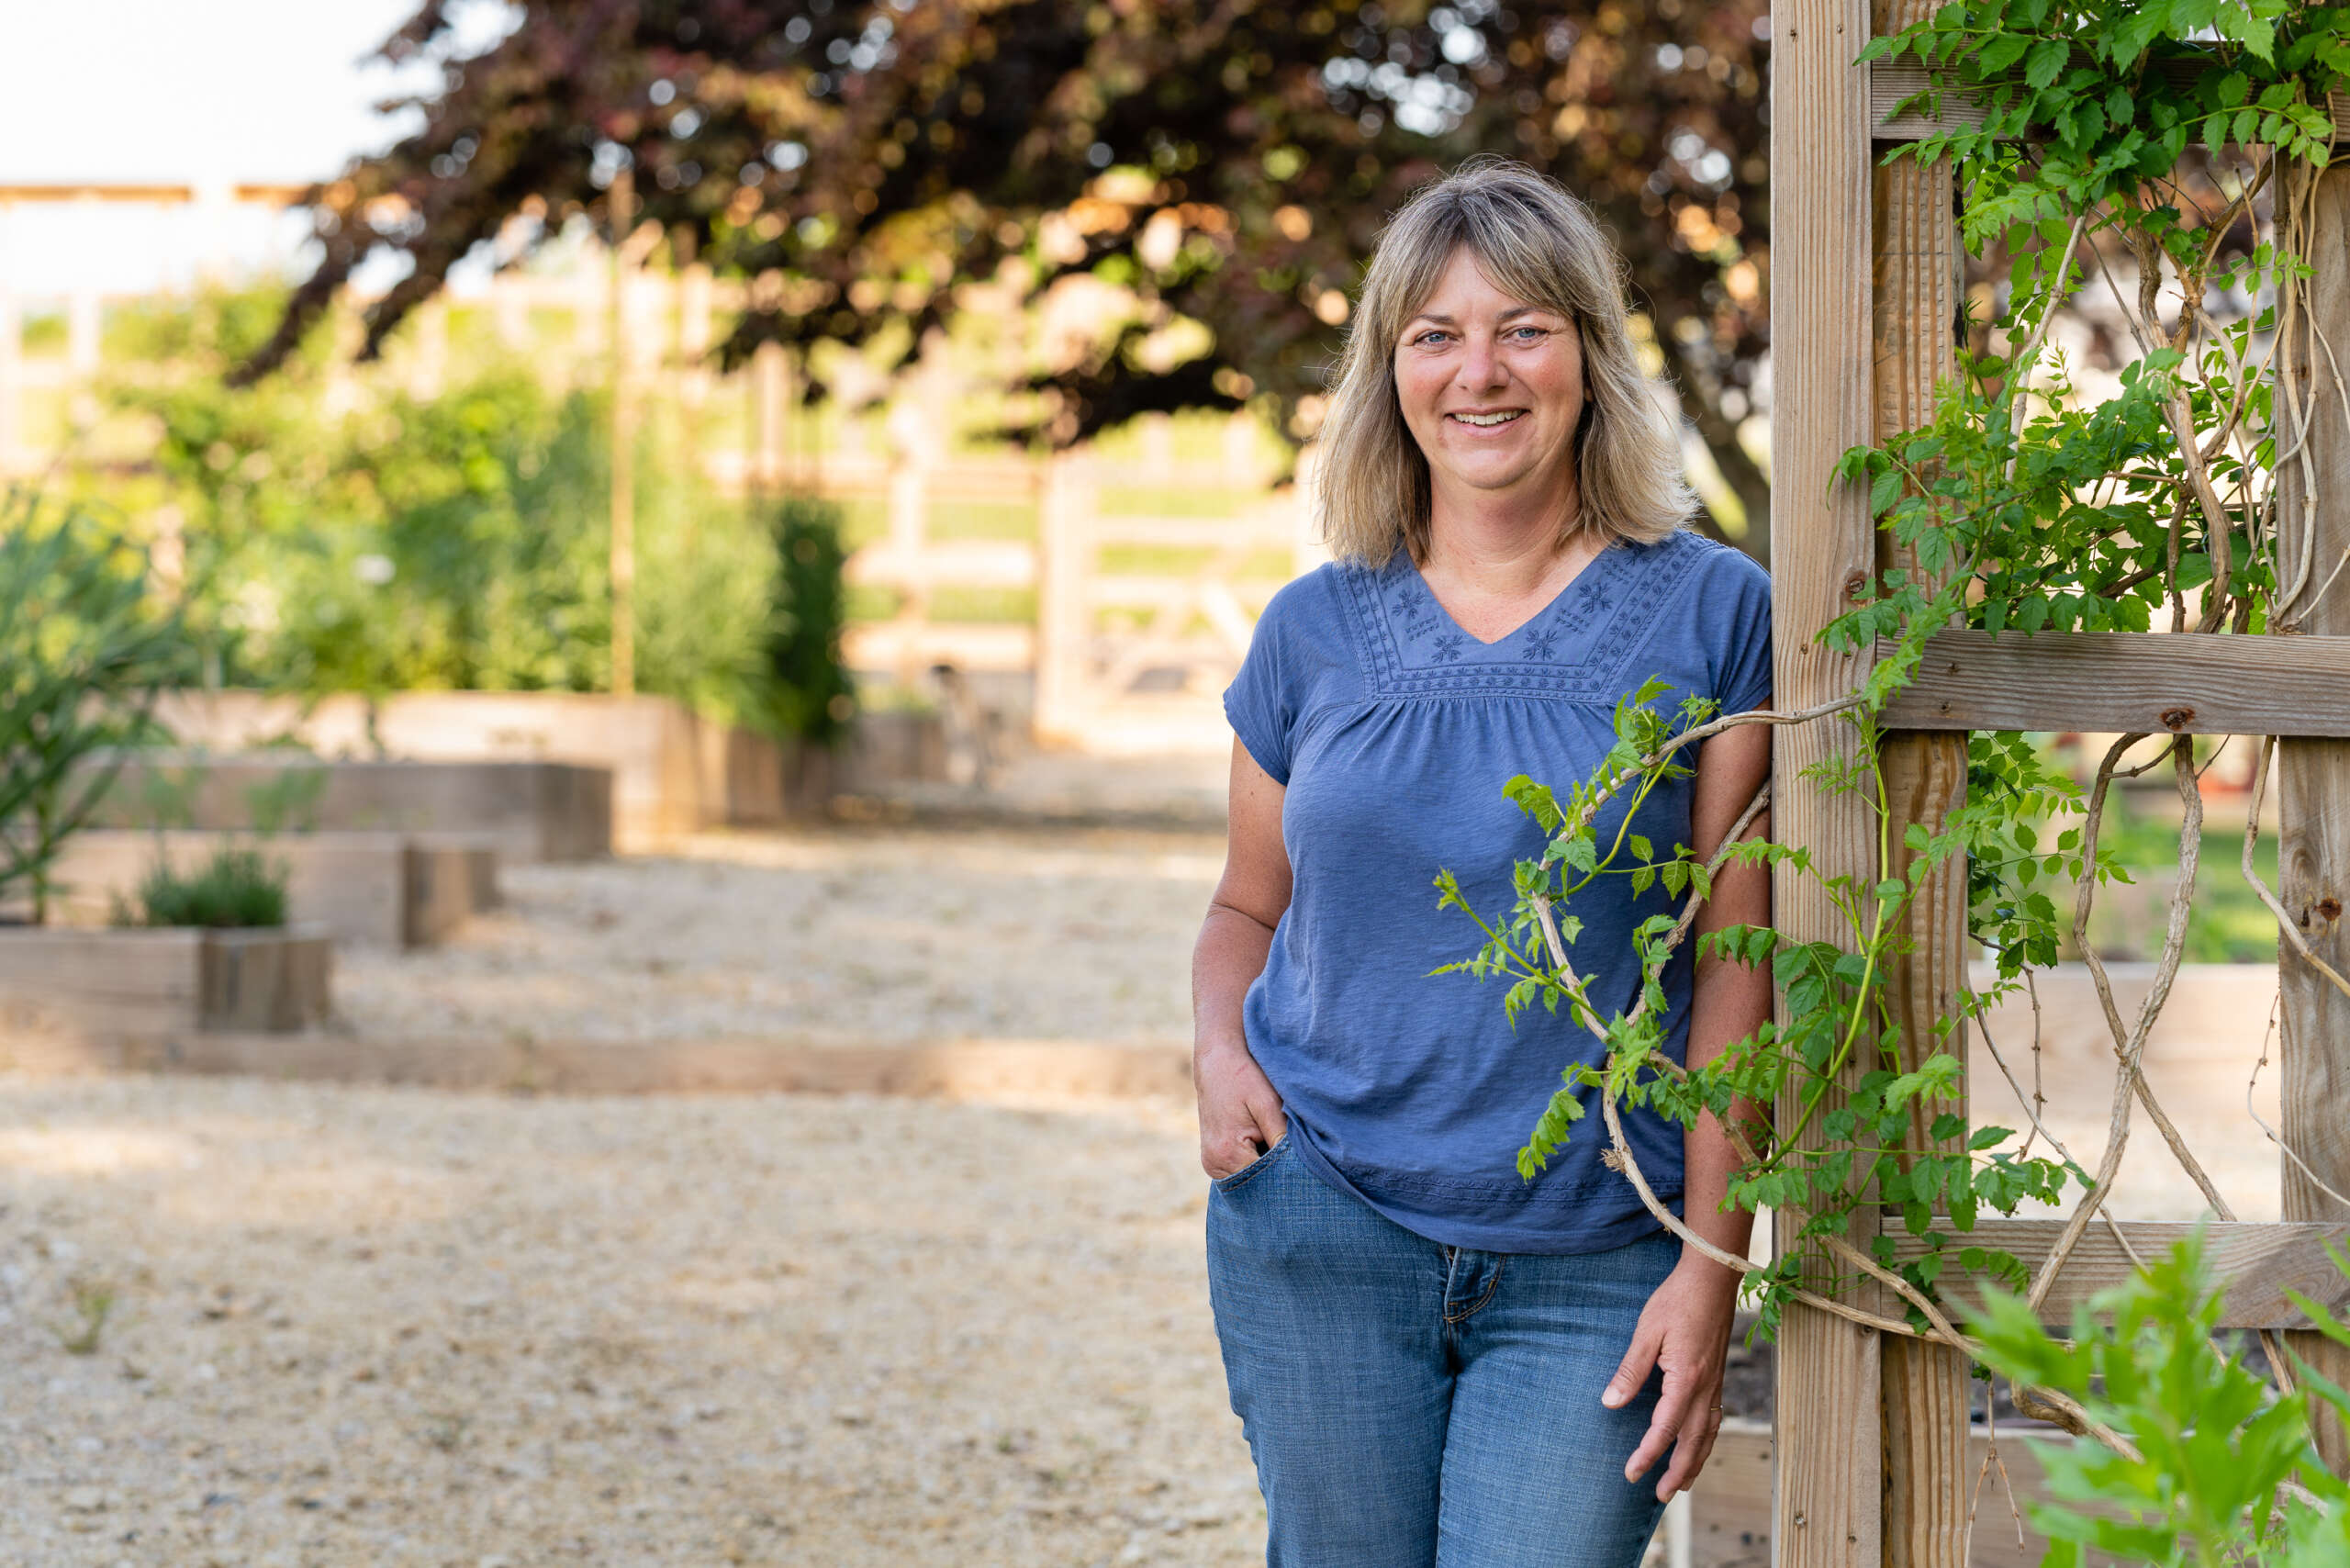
(2257, 1262)
(2113, 682)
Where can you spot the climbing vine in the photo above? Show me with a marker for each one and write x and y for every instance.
(2155, 155)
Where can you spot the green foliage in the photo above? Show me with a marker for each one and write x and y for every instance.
(84, 647)
(235, 887)
(807, 688)
(2226, 1474)
(2078, 113)
(342, 537)
(286, 801)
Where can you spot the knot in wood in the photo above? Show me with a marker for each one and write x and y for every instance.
(2329, 909)
(2177, 719)
(1853, 583)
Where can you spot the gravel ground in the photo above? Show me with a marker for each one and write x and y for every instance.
(355, 1325)
(834, 936)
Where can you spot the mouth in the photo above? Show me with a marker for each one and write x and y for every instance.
(1493, 420)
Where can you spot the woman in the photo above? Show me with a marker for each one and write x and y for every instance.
(1436, 1361)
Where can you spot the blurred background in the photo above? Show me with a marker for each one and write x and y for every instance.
(611, 623)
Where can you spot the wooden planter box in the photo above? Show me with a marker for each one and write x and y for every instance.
(379, 889)
(668, 771)
(529, 812)
(138, 984)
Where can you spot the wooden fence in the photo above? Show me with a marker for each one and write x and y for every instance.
(1872, 1441)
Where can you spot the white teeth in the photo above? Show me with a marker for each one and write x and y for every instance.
(1483, 420)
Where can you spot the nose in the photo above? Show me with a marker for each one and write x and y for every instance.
(1481, 362)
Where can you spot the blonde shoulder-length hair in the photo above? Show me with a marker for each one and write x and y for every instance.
(1537, 243)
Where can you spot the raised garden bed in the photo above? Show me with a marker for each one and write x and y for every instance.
(148, 985)
(381, 890)
(529, 811)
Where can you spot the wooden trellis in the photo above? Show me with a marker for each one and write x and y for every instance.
(1871, 1439)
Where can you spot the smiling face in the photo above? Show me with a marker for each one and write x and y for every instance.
(1492, 388)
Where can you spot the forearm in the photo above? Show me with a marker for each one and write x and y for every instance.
(1225, 962)
(1731, 1001)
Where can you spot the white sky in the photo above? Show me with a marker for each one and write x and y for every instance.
(201, 92)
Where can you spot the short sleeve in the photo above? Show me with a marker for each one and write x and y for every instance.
(1259, 703)
(1745, 670)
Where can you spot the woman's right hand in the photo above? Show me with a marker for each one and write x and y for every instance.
(1241, 1115)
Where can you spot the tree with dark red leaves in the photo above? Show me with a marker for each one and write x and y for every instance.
(1226, 161)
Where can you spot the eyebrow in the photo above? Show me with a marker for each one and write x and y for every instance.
(1511, 314)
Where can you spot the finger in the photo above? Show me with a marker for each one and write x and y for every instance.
(1690, 1454)
(1639, 1358)
(1672, 1408)
(1271, 1122)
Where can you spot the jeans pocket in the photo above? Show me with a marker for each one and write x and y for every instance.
(1249, 1171)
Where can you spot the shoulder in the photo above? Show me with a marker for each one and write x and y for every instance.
(1315, 608)
(1713, 566)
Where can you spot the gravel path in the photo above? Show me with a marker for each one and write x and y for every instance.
(393, 1327)
(838, 936)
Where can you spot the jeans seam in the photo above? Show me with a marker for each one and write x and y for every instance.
(1253, 1170)
(1501, 1262)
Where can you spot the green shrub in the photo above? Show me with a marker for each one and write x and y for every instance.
(236, 888)
(2226, 1473)
(346, 536)
(808, 691)
(84, 646)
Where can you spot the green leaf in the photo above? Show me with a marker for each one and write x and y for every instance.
(2002, 51)
(2046, 63)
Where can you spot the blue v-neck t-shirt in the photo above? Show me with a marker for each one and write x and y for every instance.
(1393, 732)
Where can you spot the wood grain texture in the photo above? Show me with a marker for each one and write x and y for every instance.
(2259, 1261)
(1918, 283)
(1063, 565)
(2313, 776)
(1827, 1503)
(1730, 1511)
(2115, 681)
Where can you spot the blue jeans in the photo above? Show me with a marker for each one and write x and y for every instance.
(1412, 1404)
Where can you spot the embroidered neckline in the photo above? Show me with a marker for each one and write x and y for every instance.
(1581, 646)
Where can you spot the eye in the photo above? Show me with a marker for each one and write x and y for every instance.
(1527, 334)
(1431, 335)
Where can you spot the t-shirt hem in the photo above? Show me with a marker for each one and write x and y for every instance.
(1275, 766)
(1617, 1229)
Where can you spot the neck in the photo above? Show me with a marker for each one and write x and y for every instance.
(1500, 540)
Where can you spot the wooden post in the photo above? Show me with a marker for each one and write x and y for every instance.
(427, 356)
(1064, 610)
(1927, 1389)
(1828, 1509)
(11, 375)
(770, 395)
(2313, 776)
(693, 335)
(1244, 464)
(623, 501)
(1158, 448)
(511, 306)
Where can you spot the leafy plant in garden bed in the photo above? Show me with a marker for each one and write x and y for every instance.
(353, 537)
(2023, 507)
(85, 645)
(236, 888)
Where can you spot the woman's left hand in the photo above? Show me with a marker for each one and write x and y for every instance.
(1684, 1329)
